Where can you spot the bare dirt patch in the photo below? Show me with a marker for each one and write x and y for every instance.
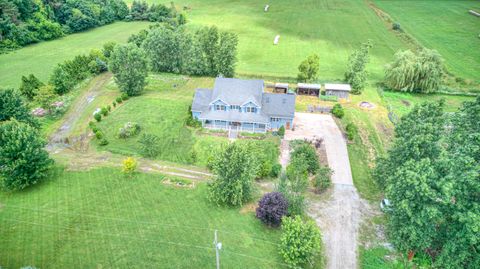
(366, 105)
(248, 208)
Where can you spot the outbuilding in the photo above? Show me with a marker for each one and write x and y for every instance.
(338, 90)
(281, 88)
(308, 89)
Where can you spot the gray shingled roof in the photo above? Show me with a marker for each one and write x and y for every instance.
(237, 91)
(278, 105)
(235, 115)
(201, 99)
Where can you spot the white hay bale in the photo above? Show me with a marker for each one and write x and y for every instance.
(266, 8)
(474, 13)
(275, 41)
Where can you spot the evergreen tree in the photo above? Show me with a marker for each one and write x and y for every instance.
(13, 107)
(24, 161)
(29, 86)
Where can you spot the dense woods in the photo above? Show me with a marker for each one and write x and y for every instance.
(23, 22)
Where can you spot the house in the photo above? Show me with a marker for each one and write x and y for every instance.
(308, 89)
(237, 104)
(338, 90)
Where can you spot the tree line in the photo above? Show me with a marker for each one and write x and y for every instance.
(431, 177)
(23, 22)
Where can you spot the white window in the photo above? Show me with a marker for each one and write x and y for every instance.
(220, 107)
(235, 107)
(250, 109)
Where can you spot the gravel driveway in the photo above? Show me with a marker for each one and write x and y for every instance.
(340, 214)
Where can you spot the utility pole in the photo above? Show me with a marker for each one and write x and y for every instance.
(218, 246)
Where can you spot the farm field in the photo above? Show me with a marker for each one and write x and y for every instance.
(102, 219)
(332, 29)
(445, 26)
(40, 59)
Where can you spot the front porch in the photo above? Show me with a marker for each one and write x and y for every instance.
(235, 126)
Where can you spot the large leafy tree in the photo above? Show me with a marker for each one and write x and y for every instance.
(308, 69)
(128, 63)
(226, 56)
(235, 169)
(356, 75)
(165, 47)
(431, 176)
(12, 106)
(415, 72)
(24, 161)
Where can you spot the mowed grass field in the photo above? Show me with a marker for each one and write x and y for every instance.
(445, 26)
(40, 59)
(330, 28)
(102, 219)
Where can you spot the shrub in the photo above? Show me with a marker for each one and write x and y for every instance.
(281, 131)
(322, 180)
(91, 124)
(265, 169)
(338, 111)
(396, 26)
(129, 129)
(276, 169)
(104, 111)
(150, 146)
(103, 142)
(129, 166)
(98, 134)
(124, 96)
(271, 208)
(109, 108)
(351, 131)
(97, 116)
(119, 100)
(306, 154)
(300, 241)
(114, 104)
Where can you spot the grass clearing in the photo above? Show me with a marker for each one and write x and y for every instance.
(101, 219)
(40, 59)
(455, 35)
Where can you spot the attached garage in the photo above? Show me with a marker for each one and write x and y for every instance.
(338, 90)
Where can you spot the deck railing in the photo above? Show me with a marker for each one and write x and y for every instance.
(238, 128)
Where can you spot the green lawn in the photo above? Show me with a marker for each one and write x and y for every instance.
(102, 219)
(41, 58)
(445, 26)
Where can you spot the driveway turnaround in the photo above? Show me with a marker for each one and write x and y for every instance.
(339, 215)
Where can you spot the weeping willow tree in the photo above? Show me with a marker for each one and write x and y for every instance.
(415, 72)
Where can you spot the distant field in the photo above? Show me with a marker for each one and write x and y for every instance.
(41, 58)
(445, 26)
(102, 219)
(330, 28)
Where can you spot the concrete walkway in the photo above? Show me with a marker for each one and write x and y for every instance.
(339, 215)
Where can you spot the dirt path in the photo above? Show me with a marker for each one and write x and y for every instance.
(338, 215)
(57, 139)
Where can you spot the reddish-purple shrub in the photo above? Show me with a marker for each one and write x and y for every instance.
(271, 208)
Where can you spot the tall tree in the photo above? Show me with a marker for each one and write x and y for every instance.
(356, 75)
(165, 47)
(129, 65)
(415, 72)
(24, 161)
(208, 37)
(234, 169)
(308, 69)
(12, 106)
(226, 56)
